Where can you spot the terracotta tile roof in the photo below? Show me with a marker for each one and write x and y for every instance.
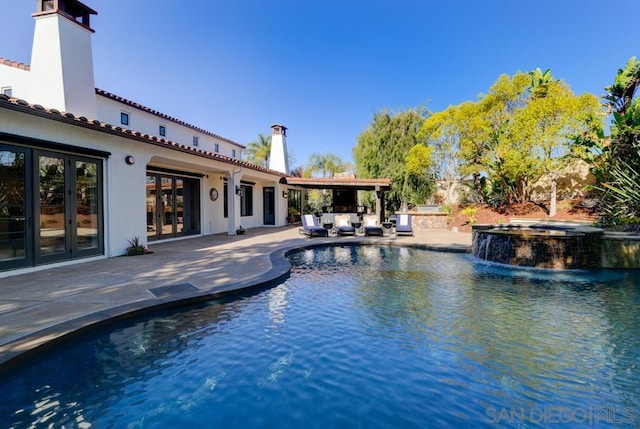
(162, 115)
(10, 63)
(117, 98)
(22, 106)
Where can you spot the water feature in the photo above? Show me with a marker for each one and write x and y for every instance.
(544, 245)
(360, 336)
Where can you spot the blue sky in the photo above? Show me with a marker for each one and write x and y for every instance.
(324, 67)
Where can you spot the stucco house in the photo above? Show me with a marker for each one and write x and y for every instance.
(83, 171)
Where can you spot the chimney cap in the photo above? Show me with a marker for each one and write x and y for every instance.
(277, 129)
(73, 8)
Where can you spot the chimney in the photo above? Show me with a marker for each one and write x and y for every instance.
(61, 74)
(278, 158)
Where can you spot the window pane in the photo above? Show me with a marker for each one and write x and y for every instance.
(179, 206)
(87, 204)
(246, 201)
(12, 205)
(167, 205)
(152, 218)
(52, 206)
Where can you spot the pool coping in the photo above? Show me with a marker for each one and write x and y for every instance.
(16, 351)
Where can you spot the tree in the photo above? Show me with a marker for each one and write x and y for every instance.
(326, 165)
(457, 136)
(625, 110)
(382, 148)
(418, 174)
(258, 151)
(547, 126)
(523, 128)
(619, 166)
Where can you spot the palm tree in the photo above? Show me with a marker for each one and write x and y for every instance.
(540, 82)
(258, 151)
(326, 164)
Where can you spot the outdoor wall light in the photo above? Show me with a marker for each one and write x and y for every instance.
(285, 194)
(129, 159)
(238, 191)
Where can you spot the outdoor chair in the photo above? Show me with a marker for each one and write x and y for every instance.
(342, 225)
(371, 225)
(311, 228)
(403, 225)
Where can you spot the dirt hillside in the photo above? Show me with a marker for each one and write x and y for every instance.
(569, 210)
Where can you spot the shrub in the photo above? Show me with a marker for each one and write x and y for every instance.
(470, 213)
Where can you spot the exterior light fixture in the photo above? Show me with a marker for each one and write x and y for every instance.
(238, 191)
(130, 160)
(285, 194)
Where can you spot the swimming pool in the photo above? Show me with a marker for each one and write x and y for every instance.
(361, 336)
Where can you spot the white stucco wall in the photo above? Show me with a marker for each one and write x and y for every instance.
(16, 79)
(125, 185)
(109, 111)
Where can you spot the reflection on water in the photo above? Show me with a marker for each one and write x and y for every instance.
(359, 336)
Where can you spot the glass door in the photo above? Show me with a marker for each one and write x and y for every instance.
(53, 220)
(68, 207)
(86, 237)
(16, 224)
(50, 207)
(152, 207)
(167, 201)
(268, 195)
(173, 206)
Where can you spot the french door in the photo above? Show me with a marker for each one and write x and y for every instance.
(173, 206)
(50, 207)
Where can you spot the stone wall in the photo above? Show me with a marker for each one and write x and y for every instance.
(429, 220)
(620, 250)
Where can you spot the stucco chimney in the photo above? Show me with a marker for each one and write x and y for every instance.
(278, 158)
(62, 58)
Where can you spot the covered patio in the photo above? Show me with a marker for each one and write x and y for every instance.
(345, 192)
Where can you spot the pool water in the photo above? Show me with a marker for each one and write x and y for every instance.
(359, 336)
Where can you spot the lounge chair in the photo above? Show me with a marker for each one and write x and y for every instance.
(342, 225)
(403, 225)
(371, 225)
(311, 228)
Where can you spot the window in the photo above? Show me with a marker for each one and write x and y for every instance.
(216, 147)
(196, 141)
(124, 118)
(246, 200)
(7, 91)
(233, 153)
(162, 130)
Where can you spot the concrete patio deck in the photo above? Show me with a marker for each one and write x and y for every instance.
(38, 308)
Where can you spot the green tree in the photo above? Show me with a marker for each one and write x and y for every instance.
(258, 151)
(324, 165)
(418, 174)
(547, 127)
(458, 136)
(382, 148)
(619, 155)
(523, 128)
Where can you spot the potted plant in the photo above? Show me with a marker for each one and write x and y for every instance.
(240, 230)
(293, 212)
(136, 247)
